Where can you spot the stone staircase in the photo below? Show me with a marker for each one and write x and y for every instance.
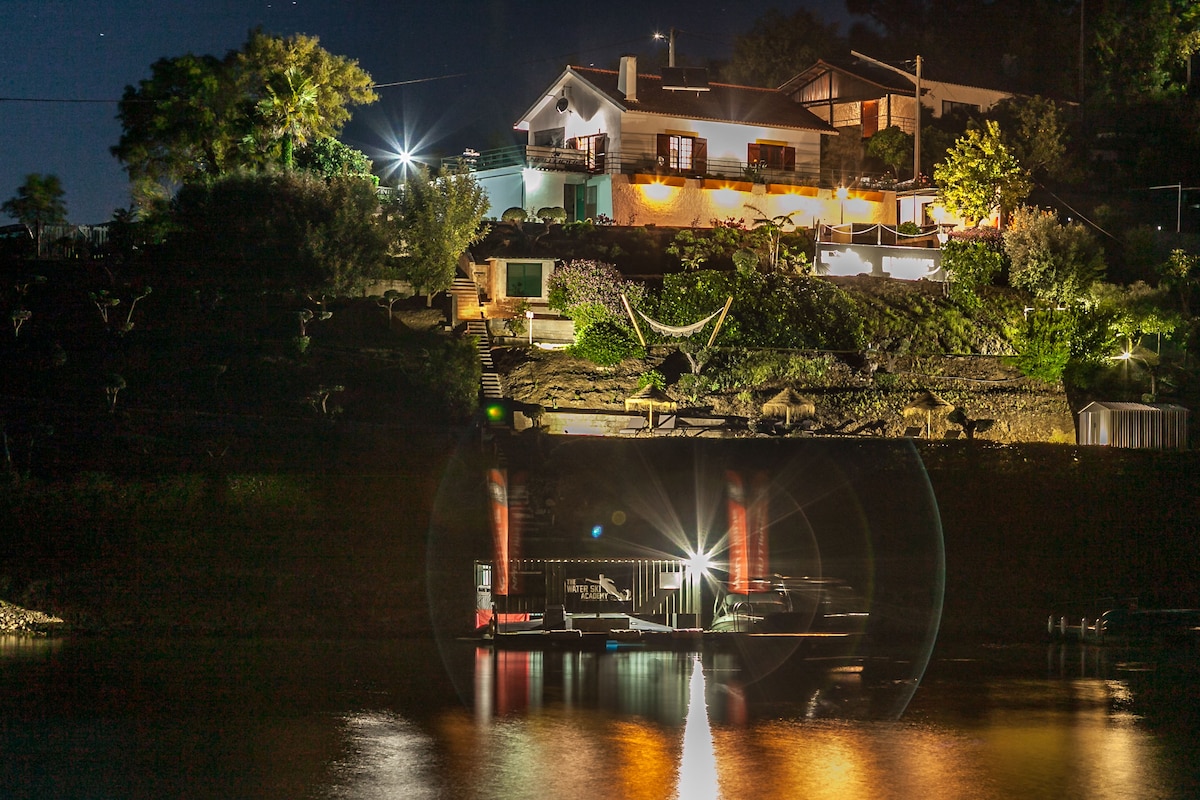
(466, 303)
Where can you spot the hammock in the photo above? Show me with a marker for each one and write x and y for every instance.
(677, 330)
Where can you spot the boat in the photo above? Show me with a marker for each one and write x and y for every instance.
(792, 605)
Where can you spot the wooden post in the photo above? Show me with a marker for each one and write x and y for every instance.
(633, 319)
(720, 320)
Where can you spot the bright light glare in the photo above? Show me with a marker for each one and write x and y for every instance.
(698, 762)
(698, 563)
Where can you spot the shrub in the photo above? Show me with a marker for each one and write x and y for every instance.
(652, 378)
(970, 265)
(514, 215)
(556, 214)
(606, 344)
(590, 291)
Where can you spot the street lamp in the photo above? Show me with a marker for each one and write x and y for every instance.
(1179, 190)
(842, 194)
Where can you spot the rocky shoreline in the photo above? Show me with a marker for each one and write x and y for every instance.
(14, 619)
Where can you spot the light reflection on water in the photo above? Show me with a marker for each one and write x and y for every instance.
(373, 720)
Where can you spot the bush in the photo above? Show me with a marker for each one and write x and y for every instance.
(970, 265)
(556, 214)
(590, 291)
(514, 215)
(606, 344)
(652, 378)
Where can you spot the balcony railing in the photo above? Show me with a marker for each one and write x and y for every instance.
(636, 157)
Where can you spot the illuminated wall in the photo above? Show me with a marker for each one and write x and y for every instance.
(882, 261)
(641, 199)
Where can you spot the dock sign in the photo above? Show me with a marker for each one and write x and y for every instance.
(601, 589)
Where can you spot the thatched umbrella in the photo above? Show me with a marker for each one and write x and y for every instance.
(928, 402)
(650, 397)
(787, 403)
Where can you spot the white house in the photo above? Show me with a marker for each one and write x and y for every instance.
(670, 149)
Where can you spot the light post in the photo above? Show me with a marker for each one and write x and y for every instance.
(1179, 189)
(529, 324)
(842, 194)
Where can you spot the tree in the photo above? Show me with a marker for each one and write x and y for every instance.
(200, 115)
(300, 90)
(1038, 136)
(1140, 46)
(893, 147)
(1057, 263)
(288, 231)
(1180, 273)
(778, 46)
(1134, 311)
(969, 265)
(330, 158)
(980, 174)
(38, 202)
(436, 217)
(184, 121)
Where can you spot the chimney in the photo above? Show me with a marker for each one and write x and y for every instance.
(627, 78)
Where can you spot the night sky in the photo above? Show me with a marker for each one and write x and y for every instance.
(53, 51)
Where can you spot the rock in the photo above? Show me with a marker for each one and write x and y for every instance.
(14, 619)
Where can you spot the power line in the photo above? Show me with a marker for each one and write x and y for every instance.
(53, 100)
(389, 84)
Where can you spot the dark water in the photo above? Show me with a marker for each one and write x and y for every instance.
(234, 718)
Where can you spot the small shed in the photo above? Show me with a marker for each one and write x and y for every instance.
(1155, 426)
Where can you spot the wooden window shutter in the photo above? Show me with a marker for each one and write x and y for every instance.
(601, 149)
(752, 156)
(789, 159)
(700, 155)
(664, 150)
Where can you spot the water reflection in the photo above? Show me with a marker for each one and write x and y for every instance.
(230, 718)
(387, 756)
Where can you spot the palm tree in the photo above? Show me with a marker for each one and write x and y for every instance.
(291, 110)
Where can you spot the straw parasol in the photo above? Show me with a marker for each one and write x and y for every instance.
(787, 403)
(928, 402)
(649, 398)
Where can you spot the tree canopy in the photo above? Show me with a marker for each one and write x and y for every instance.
(436, 217)
(778, 46)
(1057, 263)
(980, 174)
(38, 201)
(200, 115)
(279, 230)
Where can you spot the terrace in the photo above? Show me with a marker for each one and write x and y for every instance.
(638, 154)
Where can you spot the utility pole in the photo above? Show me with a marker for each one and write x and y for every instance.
(670, 37)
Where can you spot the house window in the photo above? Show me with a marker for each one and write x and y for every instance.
(771, 156)
(551, 137)
(524, 279)
(594, 146)
(680, 153)
(951, 107)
